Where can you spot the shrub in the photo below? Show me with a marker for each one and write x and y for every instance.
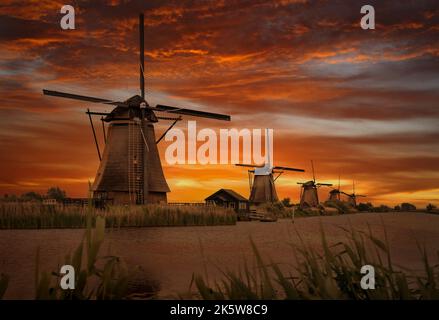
(286, 202)
(382, 208)
(407, 207)
(365, 207)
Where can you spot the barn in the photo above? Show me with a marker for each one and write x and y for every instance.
(229, 199)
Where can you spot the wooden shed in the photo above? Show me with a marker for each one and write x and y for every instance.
(229, 199)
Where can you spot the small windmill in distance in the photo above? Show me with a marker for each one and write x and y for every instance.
(352, 197)
(334, 194)
(263, 190)
(309, 197)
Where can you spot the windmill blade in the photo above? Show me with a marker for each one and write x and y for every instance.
(82, 98)
(325, 184)
(247, 165)
(349, 195)
(190, 112)
(289, 169)
(360, 195)
(142, 55)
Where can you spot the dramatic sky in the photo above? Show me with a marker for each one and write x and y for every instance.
(362, 104)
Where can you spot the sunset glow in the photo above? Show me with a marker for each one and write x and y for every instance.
(360, 104)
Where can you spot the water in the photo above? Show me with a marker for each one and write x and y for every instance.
(169, 256)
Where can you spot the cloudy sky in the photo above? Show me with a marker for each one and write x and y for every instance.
(363, 104)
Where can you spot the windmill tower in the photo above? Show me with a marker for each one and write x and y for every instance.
(262, 189)
(352, 197)
(309, 197)
(130, 171)
(334, 194)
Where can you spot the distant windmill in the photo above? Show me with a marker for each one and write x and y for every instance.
(263, 190)
(352, 197)
(309, 197)
(334, 194)
(130, 171)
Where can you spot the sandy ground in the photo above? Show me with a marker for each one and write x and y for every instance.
(171, 255)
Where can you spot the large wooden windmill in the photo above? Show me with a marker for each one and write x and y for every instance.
(130, 171)
(262, 189)
(309, 197)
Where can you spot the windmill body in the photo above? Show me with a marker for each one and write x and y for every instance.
(309, 197)
(334, 195)
(263, 189)
(130, 171)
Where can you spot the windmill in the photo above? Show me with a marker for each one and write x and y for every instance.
(352, 197)
(334, 194)
(309, 197)
(130, 171)
(262, 189)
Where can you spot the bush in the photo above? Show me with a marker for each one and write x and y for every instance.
(408, 207)
(365, 207)
(339, 205)
(56, 193)
(275, 208)
(430, 207)
(286, 202)
(382, 208)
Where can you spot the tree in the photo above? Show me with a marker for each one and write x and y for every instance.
(365, 207)
(397, 208)
(431, 207)
(286, 202)
(56, 193)
(407, 207)
(31, 196)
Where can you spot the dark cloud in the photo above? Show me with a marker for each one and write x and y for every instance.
(258, 60)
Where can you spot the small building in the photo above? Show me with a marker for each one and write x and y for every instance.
(50, 202)
(228, 198)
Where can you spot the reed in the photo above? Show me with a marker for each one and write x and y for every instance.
(96, 277)
(333, 273)
(38, 216)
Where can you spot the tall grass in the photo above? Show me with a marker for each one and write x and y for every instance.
(97, 277)
(333, 273)
(38, 216)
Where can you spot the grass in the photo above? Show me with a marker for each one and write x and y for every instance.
(96, 278)
(38, 216)
(333, 273)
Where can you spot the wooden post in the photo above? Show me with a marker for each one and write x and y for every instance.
(294, 210)
(103, 130)
(94, 134)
